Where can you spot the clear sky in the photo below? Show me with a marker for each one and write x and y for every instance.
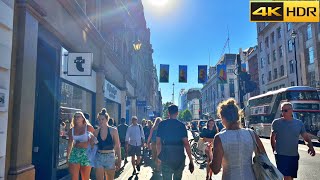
(185, 32)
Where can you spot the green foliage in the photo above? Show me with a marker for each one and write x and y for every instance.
(165, 110)
(187, 116)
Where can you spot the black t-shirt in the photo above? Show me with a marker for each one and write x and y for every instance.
(206, 133)
(171, 132)
(146, 131)
(122, 130)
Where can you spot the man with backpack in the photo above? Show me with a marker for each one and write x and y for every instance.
(134, 142)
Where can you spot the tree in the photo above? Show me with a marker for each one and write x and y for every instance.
(180, 116)
(187, 116)
(165, 110)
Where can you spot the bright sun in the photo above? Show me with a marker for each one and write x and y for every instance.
(159, 2)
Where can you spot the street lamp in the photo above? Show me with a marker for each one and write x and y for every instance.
(137, 45)
(294, 35)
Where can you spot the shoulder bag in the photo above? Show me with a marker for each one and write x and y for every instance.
(262, 167)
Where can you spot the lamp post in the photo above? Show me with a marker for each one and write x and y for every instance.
(294, 35)
(137, 45)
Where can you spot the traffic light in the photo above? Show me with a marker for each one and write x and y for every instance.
(248, 85)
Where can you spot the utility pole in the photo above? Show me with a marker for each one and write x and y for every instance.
(173, 93)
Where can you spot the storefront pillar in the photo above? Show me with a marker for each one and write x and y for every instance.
(24, 63)
(100, 100)
(123, 104)
(134, 107)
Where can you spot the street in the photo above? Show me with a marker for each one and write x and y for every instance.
(308, 167)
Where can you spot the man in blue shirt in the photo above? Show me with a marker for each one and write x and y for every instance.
(172, 139)
(285, 139)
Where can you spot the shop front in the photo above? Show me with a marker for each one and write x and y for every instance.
(77, 93)
(113, 97)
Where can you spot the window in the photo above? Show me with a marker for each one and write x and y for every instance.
(230, 70)
(275, 88)
(279, 32)
(291, 67)
(289, 26)
(290, 45)
(259, 28)
(311, 57)
(309, 32)
(281, 70)
(275, 73)
(262, 78)
(274, 54)
(282, 86)
(272, 37)
(268, 58)
(312, 79)
(231, 88)
(280, 51)
(292, 83)
(266, 41)
(261, 63)
(260, 47)
(269, 76)
(269, 89)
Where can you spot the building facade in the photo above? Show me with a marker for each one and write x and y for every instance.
(6, 34)
(214, 92)
(43, 97)
(277, 63)
(182, 100)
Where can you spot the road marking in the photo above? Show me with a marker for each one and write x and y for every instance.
(301, 146)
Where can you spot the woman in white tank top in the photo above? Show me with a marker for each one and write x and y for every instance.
(77, 147)
(233, 147)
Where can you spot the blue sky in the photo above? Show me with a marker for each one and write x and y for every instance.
(185, 32)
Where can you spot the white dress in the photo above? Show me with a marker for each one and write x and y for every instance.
(238, 149)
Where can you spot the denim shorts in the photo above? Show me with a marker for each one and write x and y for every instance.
(105, 160)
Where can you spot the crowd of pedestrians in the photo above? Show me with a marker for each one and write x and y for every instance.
(166, 141)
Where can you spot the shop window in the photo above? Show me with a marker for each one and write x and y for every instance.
(309, 32)
(73, 99)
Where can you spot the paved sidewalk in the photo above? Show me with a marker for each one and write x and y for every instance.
(147, 173)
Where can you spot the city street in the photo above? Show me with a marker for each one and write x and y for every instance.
(308, 167)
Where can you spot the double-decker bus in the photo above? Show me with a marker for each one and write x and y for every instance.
(261, 110)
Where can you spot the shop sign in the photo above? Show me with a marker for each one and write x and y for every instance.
(3, 100)
(141, 103)
(111, 92)
(79, 64)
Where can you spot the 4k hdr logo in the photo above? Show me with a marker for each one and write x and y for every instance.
(284, 11)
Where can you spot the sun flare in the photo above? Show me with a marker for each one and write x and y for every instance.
(158, 2)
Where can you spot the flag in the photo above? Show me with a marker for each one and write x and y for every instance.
(202, 74)
(243, 67)
(222, 73)
(183, 73)
(164, 73)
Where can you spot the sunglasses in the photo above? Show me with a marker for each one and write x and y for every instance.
(285, 110)
(77, 117)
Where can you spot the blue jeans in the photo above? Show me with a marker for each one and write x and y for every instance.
(167, 171)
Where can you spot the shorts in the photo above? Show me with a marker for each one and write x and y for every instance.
(79, 156)
(288, 165)
(134, 150)
(105, 160)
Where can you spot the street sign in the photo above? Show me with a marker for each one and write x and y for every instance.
(79, 64)
(141, 103)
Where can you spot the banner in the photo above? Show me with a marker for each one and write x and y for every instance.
(183, 70)
(222, 73)
(202, 74)
(164, 73)
(244, 67)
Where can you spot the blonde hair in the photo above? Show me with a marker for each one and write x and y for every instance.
(229, 110)
(85, 121)
(157, 122)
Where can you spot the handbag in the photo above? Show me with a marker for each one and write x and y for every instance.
(262, 167)
(92, 151)
(201, 145)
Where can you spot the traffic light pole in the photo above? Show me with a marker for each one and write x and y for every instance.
(240, 82)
